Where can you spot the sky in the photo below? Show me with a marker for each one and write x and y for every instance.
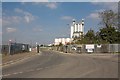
(60, 0)
(42, 22)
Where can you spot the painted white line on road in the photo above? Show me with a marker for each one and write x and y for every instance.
(29, 70)
(6, 75)
(12, 74)
(14, 62)
(39, 53)
(15, 73)
(39, 69)
(86, 73)
(20, 72)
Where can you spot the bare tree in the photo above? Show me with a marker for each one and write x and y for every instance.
(109, 19)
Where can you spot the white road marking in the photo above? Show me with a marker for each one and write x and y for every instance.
(6, 75)
(86, 73)
(15, 73)
(14, 62)
(39, 69)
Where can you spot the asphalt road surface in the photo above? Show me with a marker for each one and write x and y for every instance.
(51, 64)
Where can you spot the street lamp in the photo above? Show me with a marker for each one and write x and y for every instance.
(37, 46)
(10, 46)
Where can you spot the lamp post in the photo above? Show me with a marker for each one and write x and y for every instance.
(10, 46)
(37, 45)
(70, 29)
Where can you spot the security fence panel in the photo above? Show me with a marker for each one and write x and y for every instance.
(105, 48)
(118, 47)
(113, 48)
(98, 48)
(14, 48)
(81, 48)
(5, 49)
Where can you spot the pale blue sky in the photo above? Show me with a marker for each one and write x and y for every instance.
(42, 22)
(60, 0)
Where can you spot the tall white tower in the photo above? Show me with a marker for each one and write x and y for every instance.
(71, 31)
(83, 26)
(77, 29)
(72, 28)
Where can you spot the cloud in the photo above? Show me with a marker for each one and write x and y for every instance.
(21, 17)
(37, 29)
(24, 0)
(28, 17)
(51, 5)
(66, 18)
(8, 20)
(60, 0)
(93, 16)
(104, 0)
(100, 10)
(9, 30)
(107, 5)
(34, 0)
(18, 10)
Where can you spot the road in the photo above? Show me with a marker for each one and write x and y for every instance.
(51, 64)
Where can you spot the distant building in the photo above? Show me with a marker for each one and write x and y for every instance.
(77, 29)
(64, 41)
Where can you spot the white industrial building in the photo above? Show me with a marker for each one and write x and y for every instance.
(77, 29)
(64, 41)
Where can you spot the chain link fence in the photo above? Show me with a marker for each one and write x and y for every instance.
(15, 48)
(102, 48)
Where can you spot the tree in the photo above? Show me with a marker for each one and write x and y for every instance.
(118, 37)
(108, 18)
(60, 44)
(78, 40)
(90, 36)
(108, 35)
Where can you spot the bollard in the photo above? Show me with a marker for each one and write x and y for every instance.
(37, 48)
(66, 48)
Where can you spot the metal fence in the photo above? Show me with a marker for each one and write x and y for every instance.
(15, 48)
(102, 48)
